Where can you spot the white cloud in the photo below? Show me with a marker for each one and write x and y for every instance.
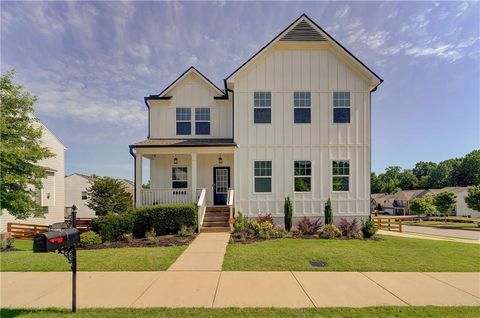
(462, 8)
(342, 12)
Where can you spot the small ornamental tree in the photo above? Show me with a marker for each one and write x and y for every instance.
(288, 210)
(422, 205)
(108, 196)
(473, 198)
(445, 202)
(328, 212)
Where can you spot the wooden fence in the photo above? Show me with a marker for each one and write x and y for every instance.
(388, 223)
(83, 224)
(25, 231)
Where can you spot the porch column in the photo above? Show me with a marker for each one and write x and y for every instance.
(194, 177)
(138, 180)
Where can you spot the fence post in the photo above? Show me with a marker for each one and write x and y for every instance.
(400, 225)
(389, 223)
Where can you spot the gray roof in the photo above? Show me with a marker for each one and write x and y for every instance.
(193, 142)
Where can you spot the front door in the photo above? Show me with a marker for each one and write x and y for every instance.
(221, 183)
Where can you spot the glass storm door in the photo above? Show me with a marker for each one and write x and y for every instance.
(221, 179)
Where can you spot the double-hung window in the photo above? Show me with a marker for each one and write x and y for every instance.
(263, 176)
(340, 175)
(84, 195)
(179, 178)
(262, 107)
(184, 121)
(202, 121)
(302, 170)
(341, 107)
(302, 103)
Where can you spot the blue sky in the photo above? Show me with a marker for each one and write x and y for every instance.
(91, 64)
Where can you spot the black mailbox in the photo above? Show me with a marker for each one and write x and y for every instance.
(56, 240)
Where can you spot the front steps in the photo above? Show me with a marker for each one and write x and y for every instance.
(216, 220)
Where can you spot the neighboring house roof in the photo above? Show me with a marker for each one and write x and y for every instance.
(305, 29)
(377, 195)
(407, 195)
(195, 142)
(49, 169)
(191, 69)
(449, 189)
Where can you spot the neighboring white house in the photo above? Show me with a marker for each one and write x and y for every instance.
(52, 196)
(461, 208)
(293, 120)
(76, 186)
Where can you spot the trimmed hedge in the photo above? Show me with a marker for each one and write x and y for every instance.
(112, 227)
(164, 218)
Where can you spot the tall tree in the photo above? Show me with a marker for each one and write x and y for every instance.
(408, 181)
(469, 169)
(422, 205)
(445, 202)
(375, 183)
(473, 198)
(423, 168)
(108, 196)
(20, 150)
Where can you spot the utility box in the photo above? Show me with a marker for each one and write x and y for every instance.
(56, 240)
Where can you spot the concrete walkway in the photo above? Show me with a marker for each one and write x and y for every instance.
(461, 234)
(205, 253)
(428, 237)
(240, 289)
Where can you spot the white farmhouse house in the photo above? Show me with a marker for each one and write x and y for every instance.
(51, 197)
(293, 120)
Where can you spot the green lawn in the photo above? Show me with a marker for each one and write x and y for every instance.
(114, 259)
(392, 254)
(384, 312)
(445, 225)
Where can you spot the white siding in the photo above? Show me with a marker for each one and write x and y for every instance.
(74, 185)
(461, 207)
(283, 70)
(191, 92)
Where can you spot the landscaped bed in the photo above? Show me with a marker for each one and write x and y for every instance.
(394, 254)
(368, 312)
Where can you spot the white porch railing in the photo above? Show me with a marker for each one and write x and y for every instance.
(165, 196)
(230, 202)
(201, 207)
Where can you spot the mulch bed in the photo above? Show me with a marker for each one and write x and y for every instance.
(160, 241)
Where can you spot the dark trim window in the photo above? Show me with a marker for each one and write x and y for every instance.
(84, 195)
(341, 107)
(262, 107)
(179, 178)
(302, 170)
(302, 103)
(263, 176)
(45, 209)
(340, 175)
(202, 121)
(184, 121)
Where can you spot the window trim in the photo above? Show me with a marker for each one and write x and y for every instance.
(253, 179)
(311, 177)
(183, 121)
(302, 107)
(263, 107)
(209, 121)
(349, 107)
(332, 175)
(172, 181)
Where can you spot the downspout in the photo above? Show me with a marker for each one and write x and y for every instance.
(233, 108)
(134, 174)
(148, 106)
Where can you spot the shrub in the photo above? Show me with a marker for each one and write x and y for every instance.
(240, 223)
(369, 228)
(328, 212)
(112, 227)
(267, 217)
(164, 218)
(348, 228)
(288, 210)
(186, 231)
(330, 231)
(127, 237)
(308, 227)
(90, 238)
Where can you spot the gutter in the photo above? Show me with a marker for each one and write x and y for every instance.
(134, 174)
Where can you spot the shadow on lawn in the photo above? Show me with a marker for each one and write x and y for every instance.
(12, 313)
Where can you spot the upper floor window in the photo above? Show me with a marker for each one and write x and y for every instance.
(302, 171)
(179, 178)
(202, 121)
(341, 107)
(263, 176)
(262, 107)
(84, 195)
(340, 175)
(302, 107)
(184, 121)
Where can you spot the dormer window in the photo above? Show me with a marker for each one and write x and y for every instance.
(184, 121)
(202, 121)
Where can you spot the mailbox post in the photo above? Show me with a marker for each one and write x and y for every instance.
(64, 242)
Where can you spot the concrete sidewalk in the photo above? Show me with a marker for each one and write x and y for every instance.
(428, 237)
(240, 289)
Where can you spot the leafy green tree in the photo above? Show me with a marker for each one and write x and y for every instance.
(422, 205)
(423, 168)
(375, 183)
(288, 211)
(328, 212)
(20, 150)
(408, 181)
(108, 196)
(445, 202)
(473, 198)
(469, 169)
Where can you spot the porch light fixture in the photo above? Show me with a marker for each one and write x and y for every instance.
(220, 160)
(175, 160)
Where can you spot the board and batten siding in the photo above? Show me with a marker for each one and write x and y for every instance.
(282, 70)
(191, 92)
